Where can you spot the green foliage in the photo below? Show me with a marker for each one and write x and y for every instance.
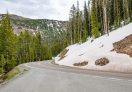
(2, 64)
(117, 13)
(27, 47)
(94, 21)
(102, 17)
(41, 24)
(49, 40)
(7, 38)
(11, 74)
(10, 64)
(87, 27)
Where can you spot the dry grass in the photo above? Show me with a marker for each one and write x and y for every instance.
(11, 74)
(63, 53)
(14, 72)
(81, 64)
(102, 62)
(124, 46)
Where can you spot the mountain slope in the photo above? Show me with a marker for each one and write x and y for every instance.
(20, 23)
(99, 54)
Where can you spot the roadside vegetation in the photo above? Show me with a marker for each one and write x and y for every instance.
(13, 73)
(98, 17)
(26, 47)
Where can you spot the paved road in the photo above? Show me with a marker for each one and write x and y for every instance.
(46, 77)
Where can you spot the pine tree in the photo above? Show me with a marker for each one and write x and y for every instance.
(117, 19)
(87, 31)
(72, 26)
(126, 9)
(81, 27)
(94, 20)
(77, 33)
(38, 46)
(7, 38)
(10, 64)
(111, 14)
(100, 16)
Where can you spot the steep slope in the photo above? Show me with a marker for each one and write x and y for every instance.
(100, 53)
(20, 23)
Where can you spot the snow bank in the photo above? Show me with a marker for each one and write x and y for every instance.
(101, 47)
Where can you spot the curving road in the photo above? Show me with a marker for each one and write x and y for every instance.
(46, 77)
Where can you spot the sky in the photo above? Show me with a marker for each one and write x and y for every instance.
(39, 9)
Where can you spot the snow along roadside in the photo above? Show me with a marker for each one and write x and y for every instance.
(99, 48)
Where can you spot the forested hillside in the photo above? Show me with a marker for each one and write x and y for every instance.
(103, 31)
(98, 17)
(20, 23)
(25, 40)
(23, 47)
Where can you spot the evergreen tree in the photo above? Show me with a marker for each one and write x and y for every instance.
(117, 19)
(87, 31)
(72, 26)
(38, 44)
(94, 20)
(77, 24)
(7, 38)
(126, 9)
(99, 14)
(10, 64)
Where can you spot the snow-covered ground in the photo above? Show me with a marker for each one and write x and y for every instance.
(100, 48)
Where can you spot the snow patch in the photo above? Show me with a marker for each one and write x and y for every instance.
(94, 49)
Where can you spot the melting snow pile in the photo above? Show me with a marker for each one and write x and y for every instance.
(101, 48)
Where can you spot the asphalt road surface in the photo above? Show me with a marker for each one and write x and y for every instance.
(46, 77)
